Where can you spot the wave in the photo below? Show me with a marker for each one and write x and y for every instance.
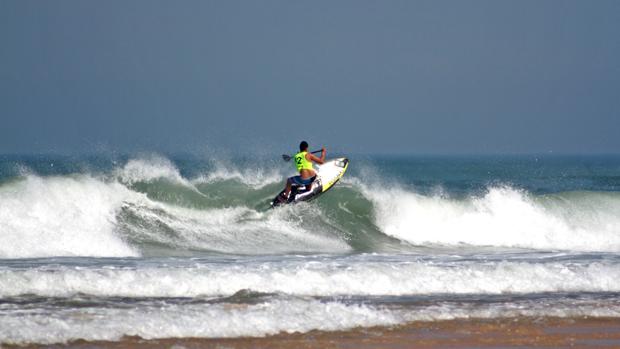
(352, 275)
(85, 216)
(146, 207)
(503, 217)
(62, 216)
(162, 320)
(92, 319)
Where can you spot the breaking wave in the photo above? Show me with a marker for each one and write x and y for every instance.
(94, 320)
(146, 207)
(363, 274)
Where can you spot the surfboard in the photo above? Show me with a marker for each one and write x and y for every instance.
(328, 174)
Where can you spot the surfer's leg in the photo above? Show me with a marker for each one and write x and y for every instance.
(292, 181)
(289, 186)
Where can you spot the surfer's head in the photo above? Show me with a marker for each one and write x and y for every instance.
(303, 146)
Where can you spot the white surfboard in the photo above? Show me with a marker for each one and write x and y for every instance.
(328, 174)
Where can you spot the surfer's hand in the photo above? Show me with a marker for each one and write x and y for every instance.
(323, 150)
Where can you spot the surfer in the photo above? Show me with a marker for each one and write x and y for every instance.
(307, 174)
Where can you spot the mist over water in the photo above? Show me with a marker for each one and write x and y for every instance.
(190, 234)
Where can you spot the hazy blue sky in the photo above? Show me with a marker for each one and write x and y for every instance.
(358, 76)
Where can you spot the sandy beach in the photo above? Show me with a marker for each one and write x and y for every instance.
(471, 333)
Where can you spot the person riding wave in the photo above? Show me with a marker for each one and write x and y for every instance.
(307, 174)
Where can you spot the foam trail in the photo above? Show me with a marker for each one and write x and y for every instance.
(503, 217)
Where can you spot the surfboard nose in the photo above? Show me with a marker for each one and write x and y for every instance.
(342, 162)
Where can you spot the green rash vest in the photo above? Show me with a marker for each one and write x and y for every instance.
(301, 162)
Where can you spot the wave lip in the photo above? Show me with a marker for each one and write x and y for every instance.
(257, 178)
(148, 169)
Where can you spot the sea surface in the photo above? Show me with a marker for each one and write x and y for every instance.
(102, 247)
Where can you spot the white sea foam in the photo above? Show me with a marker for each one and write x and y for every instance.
(315, 277)
(231, 230)
(502, 217)
(196, 320)
(559, 307)
(68, 216)
(159, 319)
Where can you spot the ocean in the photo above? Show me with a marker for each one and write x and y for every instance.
(100, 248)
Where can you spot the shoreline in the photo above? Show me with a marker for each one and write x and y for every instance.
(583, 332)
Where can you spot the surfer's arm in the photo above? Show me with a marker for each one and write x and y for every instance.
(320, 160)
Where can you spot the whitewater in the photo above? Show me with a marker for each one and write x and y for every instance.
(184, 246)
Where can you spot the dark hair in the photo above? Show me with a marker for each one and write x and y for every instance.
(303, 145)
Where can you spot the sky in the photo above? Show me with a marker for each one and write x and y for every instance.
(413, 77)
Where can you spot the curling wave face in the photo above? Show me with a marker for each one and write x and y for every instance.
(146, 207)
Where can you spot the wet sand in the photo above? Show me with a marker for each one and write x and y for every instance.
(469, 333)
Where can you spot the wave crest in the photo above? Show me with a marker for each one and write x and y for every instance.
(503, 217)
